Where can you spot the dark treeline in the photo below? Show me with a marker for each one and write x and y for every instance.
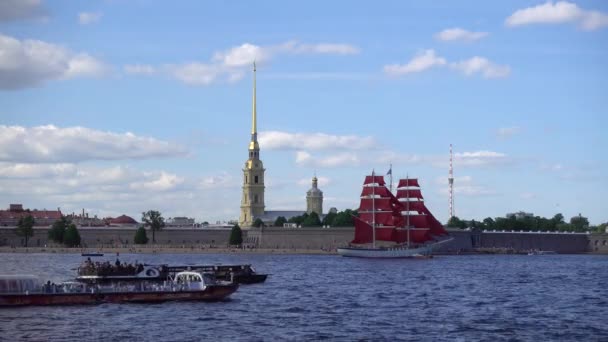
(529, 223)
(338, 219)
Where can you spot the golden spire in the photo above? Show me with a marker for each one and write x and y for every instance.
(253, 125)
(253, 144)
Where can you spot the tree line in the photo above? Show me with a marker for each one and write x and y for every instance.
(331, 219)
(530, 223)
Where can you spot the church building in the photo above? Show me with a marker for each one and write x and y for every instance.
(252, 200)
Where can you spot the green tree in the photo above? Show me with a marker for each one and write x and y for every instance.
(236, 235)
(454, 221)
(141, 238)
(258, 222)
(312, 220)
(579, 223)
(155, 220)
(328, 220)
(280, 221)
(488, 223)
(25, 227)
(72, 236)
(57, 231)
(298, 219)
(345, 218)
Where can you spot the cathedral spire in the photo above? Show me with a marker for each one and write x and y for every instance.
(254, 129)
(253, 145)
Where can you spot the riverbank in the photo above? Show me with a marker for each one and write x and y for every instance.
(165, 250)
(226, 250)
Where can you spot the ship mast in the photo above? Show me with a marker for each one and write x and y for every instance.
(407, 194)
(373, 210)
(390, 173)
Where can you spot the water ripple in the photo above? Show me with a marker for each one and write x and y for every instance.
(460, 298)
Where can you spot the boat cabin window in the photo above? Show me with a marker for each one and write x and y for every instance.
(16, 284)
(189, 278)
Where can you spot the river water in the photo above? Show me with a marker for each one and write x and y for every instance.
(307, 297)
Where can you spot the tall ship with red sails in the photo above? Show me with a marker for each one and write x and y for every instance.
(394, 226)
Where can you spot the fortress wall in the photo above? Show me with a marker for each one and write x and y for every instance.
(92, 237)
(598, 243)
(558, 242)
(463, 241)
(300, 238)
(319, 238)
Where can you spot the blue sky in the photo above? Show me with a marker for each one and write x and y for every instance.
(124, 106)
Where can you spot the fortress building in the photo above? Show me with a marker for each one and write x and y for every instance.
(252, 199)
(314, 198)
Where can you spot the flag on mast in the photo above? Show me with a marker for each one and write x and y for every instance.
(390, 171)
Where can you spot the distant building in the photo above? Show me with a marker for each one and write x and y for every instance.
(10, 217)
(252, 200)
(123, 221)
(519, 215)
(180, 222)
(314, 199)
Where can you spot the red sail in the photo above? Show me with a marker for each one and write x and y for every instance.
(363, 231)
(417, 235)
(410, 193)
(384, 218)
(414, 206)
(381, 191)
(377, 203)
(436, 226)
(374, 179)
(385, 234)
(418, 221)
(408, 182)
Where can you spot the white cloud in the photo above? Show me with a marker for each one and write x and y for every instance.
(113, 191)
(480, 65)
(508, 132)
(277, 140)
(458, 34)
(335, 160)
(19, 170)
(223, 180)
(421, 62)
(83, 65)
(428, 59)
(162, 181)
(232, 64)
(480, 158)
(21, 9)
(322, 48)
(464, 186)
(29, 63)
(85, 18)
(195, 73)
(242, 55)
(50, 144)
(558, 13)
(139, 69)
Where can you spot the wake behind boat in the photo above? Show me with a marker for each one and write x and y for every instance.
(392, 226)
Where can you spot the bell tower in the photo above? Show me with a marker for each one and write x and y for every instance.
(252, 200)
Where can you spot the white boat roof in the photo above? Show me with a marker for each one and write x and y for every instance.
(18, 277)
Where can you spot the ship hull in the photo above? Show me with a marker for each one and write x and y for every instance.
(210, 293)
(396, 252)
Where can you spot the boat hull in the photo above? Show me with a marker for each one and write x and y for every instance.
(210, 293)
(396, 252)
